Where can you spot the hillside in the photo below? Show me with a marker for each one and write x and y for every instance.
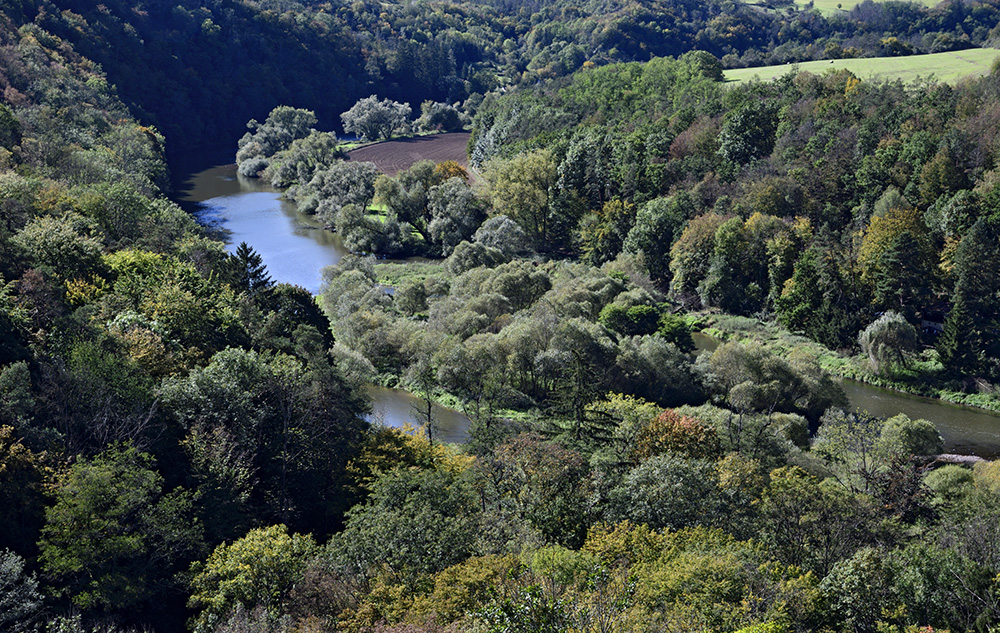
(184, 440)
(199, 70)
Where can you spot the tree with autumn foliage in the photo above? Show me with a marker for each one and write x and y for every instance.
(671, 432)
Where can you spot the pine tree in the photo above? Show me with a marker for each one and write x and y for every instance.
(954, 346)
(969, 343)
(902, 277)
(249, 272)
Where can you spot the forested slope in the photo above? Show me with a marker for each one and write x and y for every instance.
(199, 70)
(181, 439)
(157, 395)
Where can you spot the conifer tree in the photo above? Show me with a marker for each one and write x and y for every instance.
(249, 272)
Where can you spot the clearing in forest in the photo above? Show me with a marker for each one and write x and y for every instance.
(948, 67)
(827, 7)
(393, 157)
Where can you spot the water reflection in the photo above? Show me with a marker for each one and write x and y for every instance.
(292, 245)
(397, 408)
(965, 430)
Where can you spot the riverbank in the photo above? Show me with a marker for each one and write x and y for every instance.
(923, 378)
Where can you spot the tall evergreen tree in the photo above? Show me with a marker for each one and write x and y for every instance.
(249, 272)
(970, 342)
(903, 276)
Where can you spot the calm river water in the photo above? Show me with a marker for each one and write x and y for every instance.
(295, 251)
(293, 246)
(965, 430)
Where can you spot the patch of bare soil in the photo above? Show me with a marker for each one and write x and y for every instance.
(393, 157)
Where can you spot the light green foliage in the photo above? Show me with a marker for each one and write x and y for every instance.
(503, 234)
(335, 186)
(676, 331)
(468, 255)
(363, 233)
(374, 120)
(862, 593)
(350, 286)
(258, 569)
(861, 449)
(283, 125)
(302, 159)
(20, 601)
(520, 188)
(67, 245)
(413, 523)
(911, 437)
(439, 117)
(456, 213)
(889, 342)
(809, 523)
(406, 194)
(113, 538)
(668, 491)
(949, 483)
(752, 378)
(629, 417)
(691, 253)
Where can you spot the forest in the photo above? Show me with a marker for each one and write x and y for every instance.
(185, 442)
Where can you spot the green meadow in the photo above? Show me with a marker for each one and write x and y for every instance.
(948, 67)
(826, 7)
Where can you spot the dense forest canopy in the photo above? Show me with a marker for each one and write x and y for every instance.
(199, 70)
(183, 441)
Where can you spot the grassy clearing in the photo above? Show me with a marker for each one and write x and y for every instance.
(946, 67)
(827, 7)
(397, 273)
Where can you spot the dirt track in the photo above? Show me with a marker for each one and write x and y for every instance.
(393, 157)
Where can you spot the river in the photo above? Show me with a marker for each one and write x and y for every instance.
(292, 245)
(295, 251)
(965, 430)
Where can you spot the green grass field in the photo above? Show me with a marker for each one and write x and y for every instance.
(827, 7)
(946, 67)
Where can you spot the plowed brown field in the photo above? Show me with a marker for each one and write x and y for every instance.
(393, 157)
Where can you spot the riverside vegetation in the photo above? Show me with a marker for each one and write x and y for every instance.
(182, 441)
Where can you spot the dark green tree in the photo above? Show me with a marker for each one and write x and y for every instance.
(977, 296)
(414, 522)
(904, 276)
(249, 272)
(748, 133)
(114, 538)
(658, 223)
